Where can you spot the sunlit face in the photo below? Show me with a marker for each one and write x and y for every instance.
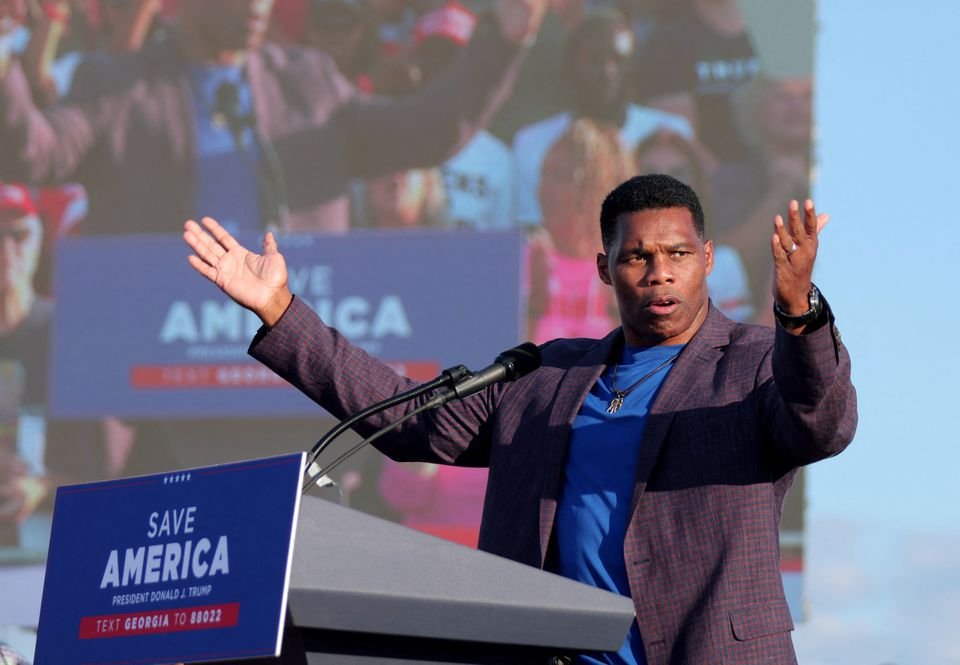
(398, 200)
(658, 267)
(19, 249)
(229, 25)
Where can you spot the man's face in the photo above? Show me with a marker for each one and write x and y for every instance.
(658, 267)
(229, 25)
(598, 66)
(398, 200)
(19, 248)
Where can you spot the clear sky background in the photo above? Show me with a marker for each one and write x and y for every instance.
(883, 566)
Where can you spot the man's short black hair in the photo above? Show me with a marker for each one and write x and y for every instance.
(648, 192)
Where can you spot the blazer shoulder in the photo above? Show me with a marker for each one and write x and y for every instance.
(564, 352)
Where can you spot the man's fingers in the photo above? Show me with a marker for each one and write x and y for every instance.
(784, 239)
(810, 219)
(223, 237)
(776, 246)
(204, 247)
(795, 224)
(200, 242)
(269, 243)
(822, 220)
(203, 268)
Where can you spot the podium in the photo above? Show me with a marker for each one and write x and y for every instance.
(366, 591)
(196, 565)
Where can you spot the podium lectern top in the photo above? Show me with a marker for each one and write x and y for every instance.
(354, 572)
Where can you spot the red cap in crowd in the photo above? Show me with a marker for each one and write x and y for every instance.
(453, 21)
(18, 198)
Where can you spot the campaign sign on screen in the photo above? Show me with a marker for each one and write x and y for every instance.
(177, 567)
(138, 333)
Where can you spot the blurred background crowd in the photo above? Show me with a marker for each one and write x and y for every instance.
(130, 116)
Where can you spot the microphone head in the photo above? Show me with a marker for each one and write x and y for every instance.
(520, 360)
(227, 109)
(226, 98)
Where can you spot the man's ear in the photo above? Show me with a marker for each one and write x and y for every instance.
(603, 268)
(708, 250)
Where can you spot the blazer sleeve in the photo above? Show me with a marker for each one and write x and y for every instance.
(343, 379)
(808, 400)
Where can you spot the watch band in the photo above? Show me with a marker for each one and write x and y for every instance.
(790, 322)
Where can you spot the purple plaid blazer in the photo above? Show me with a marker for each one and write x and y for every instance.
(742, 408)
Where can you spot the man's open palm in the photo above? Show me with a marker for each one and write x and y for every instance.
(255, 281)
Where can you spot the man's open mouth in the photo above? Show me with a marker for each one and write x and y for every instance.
(662, 305)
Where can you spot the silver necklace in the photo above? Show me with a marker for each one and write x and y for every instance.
(619, 395)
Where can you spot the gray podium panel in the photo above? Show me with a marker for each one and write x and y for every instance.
(365, 590)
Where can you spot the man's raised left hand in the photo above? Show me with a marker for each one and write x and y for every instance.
(794, 245)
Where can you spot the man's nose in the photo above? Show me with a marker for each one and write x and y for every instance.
(658, 270)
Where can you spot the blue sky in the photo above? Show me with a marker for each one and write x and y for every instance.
(886, 107)
(884, 538)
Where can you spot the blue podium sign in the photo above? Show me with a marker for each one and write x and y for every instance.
(177, 567)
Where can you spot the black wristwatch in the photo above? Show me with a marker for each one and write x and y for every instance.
(792, 322)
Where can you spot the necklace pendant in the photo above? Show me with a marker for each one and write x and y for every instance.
(615, 404)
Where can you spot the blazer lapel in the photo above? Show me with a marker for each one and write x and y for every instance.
(676, 392)
(574, 386)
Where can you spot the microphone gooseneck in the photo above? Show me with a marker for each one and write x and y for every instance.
(508, 366)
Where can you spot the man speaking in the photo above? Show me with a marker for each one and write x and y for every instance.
(652, 463)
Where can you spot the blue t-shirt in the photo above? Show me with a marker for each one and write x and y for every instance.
(228, 178)
(599, 477)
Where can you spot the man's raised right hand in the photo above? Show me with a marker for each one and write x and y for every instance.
(255, 281)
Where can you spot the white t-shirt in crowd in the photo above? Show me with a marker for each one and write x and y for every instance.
(479, 182)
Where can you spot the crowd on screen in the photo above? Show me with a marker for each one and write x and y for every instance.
(680, 83)
(610, 88)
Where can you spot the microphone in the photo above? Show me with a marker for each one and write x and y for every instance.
(227, 112)
(508, 366)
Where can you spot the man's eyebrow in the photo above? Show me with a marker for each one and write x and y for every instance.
(670, 247)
